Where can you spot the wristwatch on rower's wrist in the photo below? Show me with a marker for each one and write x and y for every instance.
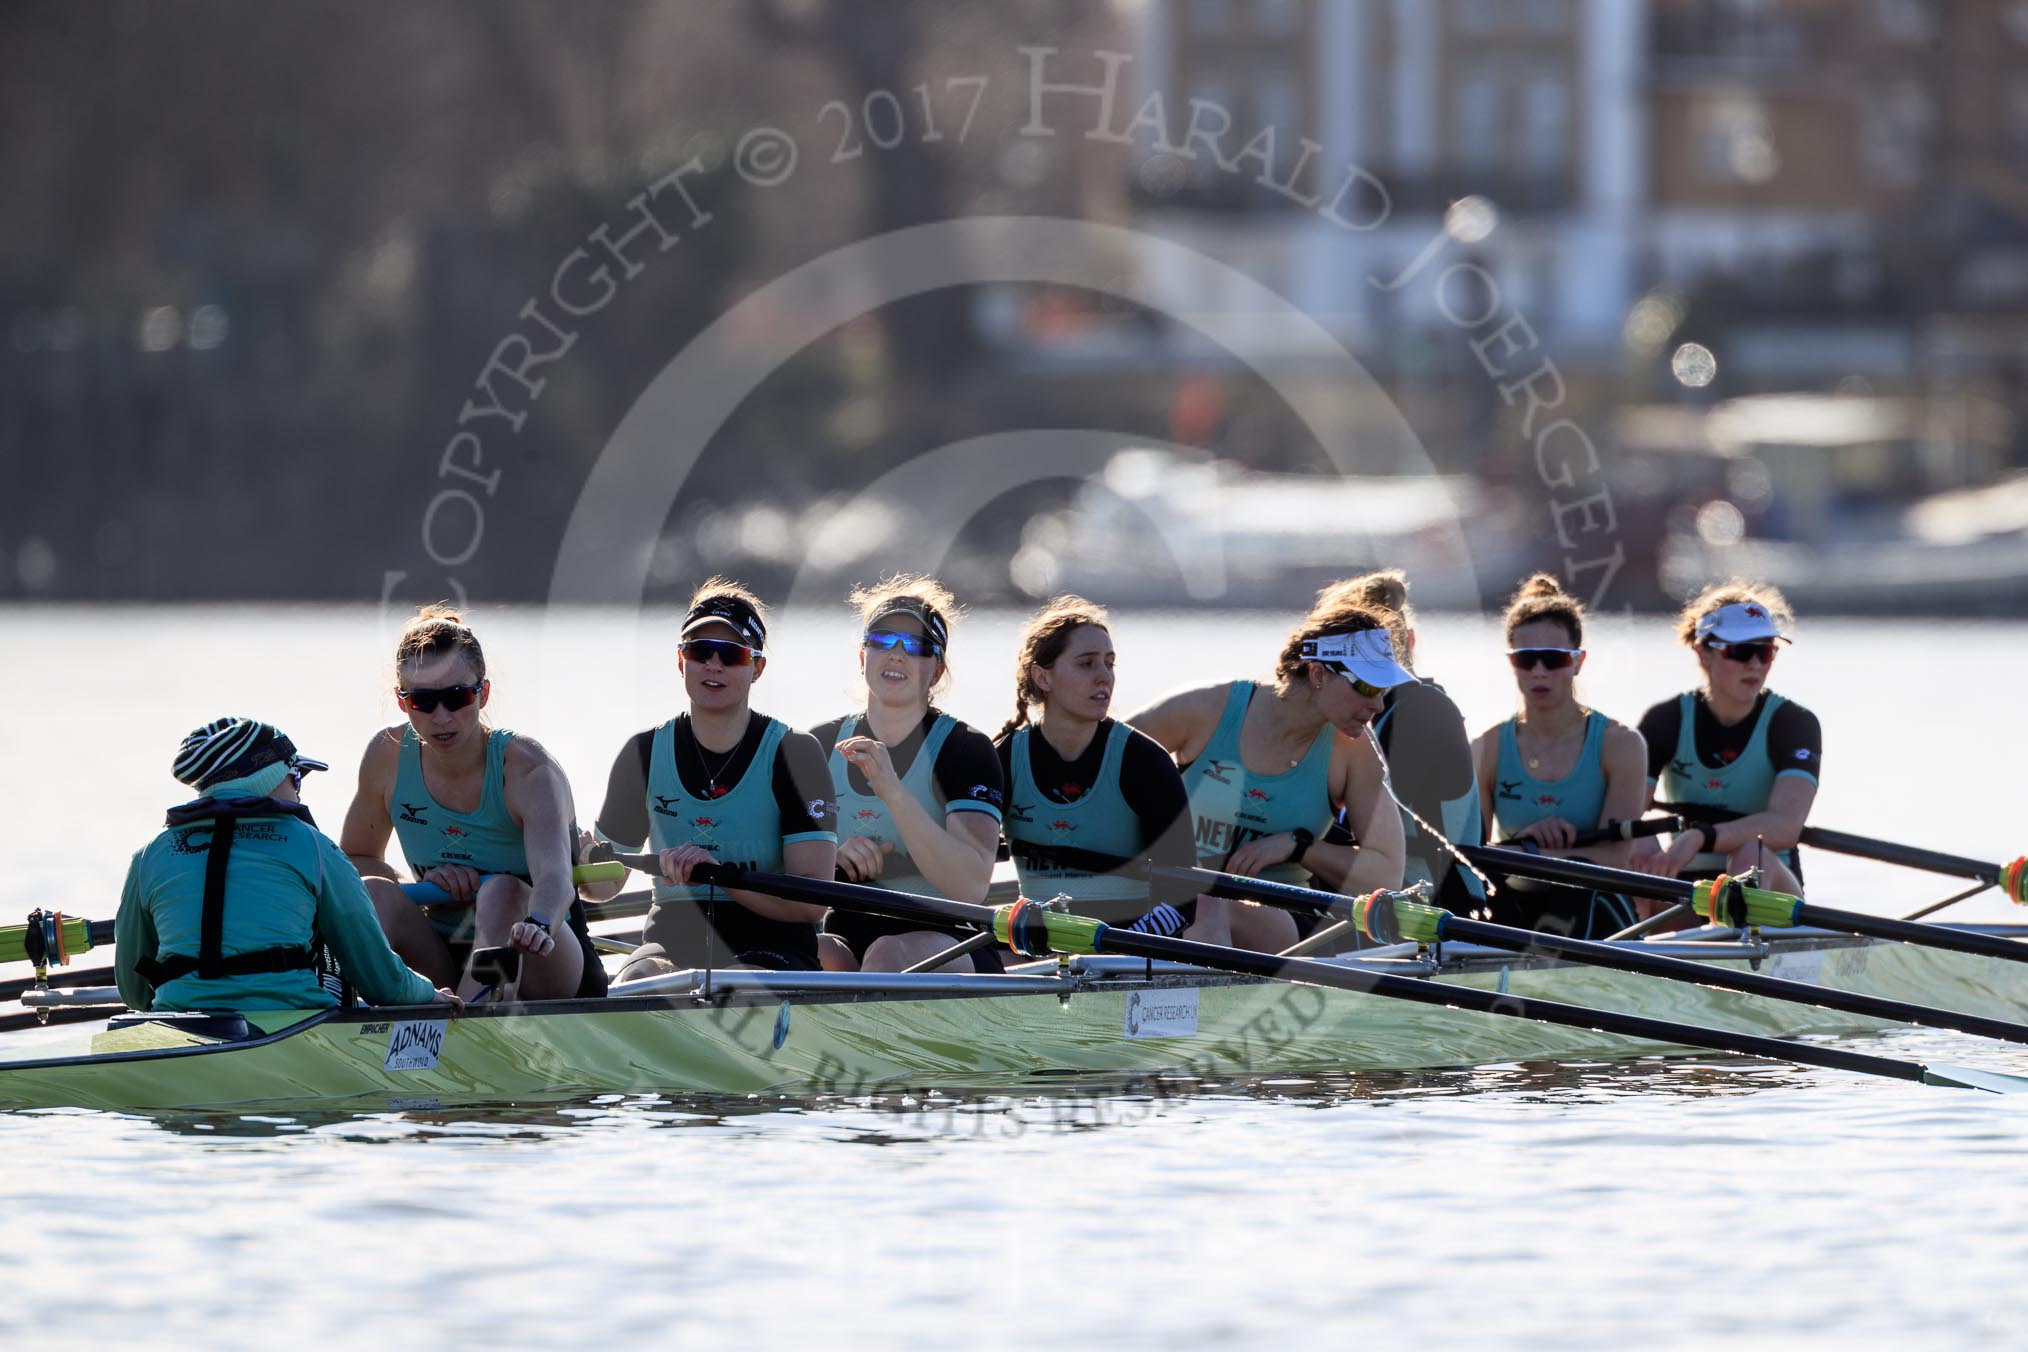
(542, 925)
(1304, 839)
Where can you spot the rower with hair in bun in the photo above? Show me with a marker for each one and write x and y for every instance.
(1738, 762)
(1557, 769)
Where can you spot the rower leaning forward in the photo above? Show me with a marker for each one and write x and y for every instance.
(1268, 764)
(228, 907)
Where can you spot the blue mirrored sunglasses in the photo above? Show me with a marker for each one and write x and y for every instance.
(915, 645)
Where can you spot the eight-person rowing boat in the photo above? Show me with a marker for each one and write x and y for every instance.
(1172, 870)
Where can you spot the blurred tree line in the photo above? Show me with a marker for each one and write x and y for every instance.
(256, 255)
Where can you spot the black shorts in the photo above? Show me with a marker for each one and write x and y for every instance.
(767, 959)
(858, 930)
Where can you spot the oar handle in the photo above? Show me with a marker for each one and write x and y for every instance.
(2010, 878)
(1617, 829)
(429, 894)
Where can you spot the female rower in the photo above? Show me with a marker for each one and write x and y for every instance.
(721, 783)
(1557, 769)
(1266, 767)
(481, 812)
(918, 793)
(1421, 736)
(195, 932)
(1089, 799)
(1745, 756)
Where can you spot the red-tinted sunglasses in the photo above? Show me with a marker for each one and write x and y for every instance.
(425, 700)
(724, 649)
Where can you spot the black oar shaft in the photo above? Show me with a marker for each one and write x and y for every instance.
(1582, 874)
(1111, 939)
(1629, 958)
(1908, 856)
(1860, 847)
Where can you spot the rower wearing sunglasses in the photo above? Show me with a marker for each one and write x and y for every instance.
(1421, 736)
(919, 793)
(722, 783)
(1268, 765)
(1736, 760)
(481, 812)
(1090, 799)
(1557, 769)
(227, 908)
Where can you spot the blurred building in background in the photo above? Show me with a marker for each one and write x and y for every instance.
(1768, 257)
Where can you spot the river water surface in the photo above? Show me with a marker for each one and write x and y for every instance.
(1664, 1202)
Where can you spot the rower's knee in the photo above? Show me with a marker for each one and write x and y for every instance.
(391, 905)
(897, 952)
(835, 955)
(501, 898)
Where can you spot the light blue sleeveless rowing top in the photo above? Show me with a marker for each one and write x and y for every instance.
(863, 814)
(1232, 805)
(743, 826)
(487, 840)
(1101, 822)
(1741, 787)
(1520, 799)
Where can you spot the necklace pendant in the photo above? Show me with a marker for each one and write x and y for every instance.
(1534, 762)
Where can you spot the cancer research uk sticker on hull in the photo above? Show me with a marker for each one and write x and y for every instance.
(415, 1044)
(1171, 1013)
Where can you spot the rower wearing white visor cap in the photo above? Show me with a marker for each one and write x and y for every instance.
(1738, 762)
(1269, 765)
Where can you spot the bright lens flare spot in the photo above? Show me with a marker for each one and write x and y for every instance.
(1720, 523)
(1470, 219)
(1693, 365)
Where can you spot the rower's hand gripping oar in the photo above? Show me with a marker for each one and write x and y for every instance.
(1031, 928)
(2011, 878)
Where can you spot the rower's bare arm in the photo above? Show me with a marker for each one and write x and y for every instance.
(1625, 761)
(956, 854)
(804, 859)
(1486, 766)
(538, 797)
(367, 827)
(1780, 824)
(1376, 861)
(1184, 720)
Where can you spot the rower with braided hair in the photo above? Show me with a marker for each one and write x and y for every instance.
(1089, 798)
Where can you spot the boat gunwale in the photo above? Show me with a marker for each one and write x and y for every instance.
(1076, 979)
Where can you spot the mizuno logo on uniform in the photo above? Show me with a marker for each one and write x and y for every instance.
(1680, 767)
(1509, 790)
(1216, 771)
(665, 806)
(412, 812)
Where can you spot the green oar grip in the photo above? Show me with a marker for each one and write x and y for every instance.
(1396, 917)
(1727, 901)
(1034, 931)
(48, 937)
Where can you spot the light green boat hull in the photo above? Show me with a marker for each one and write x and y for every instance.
(761, 1042)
